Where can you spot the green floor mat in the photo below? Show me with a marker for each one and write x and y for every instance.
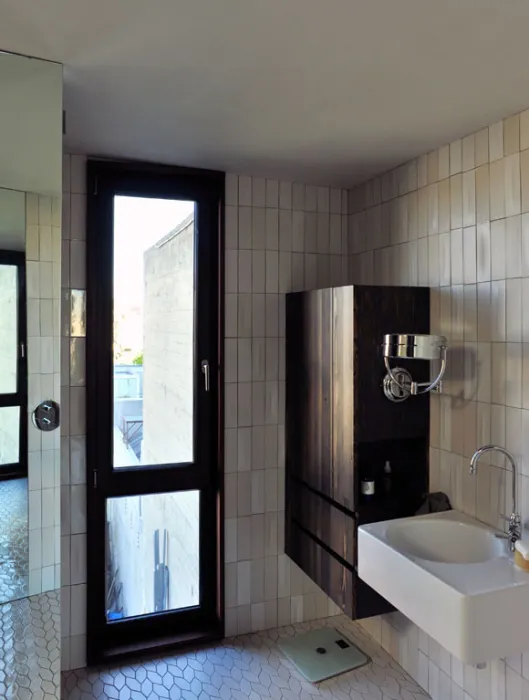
(322, 654)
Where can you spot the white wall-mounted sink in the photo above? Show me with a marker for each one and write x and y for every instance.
(442, 540)
(449, 574)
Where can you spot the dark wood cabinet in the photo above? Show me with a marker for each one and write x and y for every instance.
(339, 423)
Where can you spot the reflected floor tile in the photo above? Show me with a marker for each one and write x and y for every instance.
(30, 648)
(14, 548)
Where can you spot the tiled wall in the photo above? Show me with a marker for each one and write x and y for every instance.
(457, 220)
(73, 429)
(43, 261)
(280, 237)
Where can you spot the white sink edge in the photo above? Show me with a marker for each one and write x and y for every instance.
(478, 624)
(453, 515)
(491, 575)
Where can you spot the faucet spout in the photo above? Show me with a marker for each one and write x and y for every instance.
(515, 519)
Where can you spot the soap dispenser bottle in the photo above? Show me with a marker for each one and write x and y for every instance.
(387, 477)
(367, 485)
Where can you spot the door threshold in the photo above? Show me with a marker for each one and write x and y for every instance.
(161, 646)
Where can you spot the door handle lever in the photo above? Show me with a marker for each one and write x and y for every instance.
(204, 366)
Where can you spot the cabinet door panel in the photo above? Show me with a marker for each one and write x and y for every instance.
(327, 572)
(329, 524)
(309, 388)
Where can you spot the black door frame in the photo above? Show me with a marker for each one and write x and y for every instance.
(105, 179)
(20, 397)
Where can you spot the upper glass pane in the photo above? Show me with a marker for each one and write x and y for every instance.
(154, 249)
(8, 329)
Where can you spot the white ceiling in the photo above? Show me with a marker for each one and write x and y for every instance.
(327, 91)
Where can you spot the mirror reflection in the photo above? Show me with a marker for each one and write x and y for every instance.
(14, 533)
(31, 179)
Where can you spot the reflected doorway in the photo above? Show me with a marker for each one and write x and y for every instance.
(14, 533)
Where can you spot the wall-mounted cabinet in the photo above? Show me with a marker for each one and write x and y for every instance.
(341, 430)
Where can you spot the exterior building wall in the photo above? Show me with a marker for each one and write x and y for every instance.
(168, 319)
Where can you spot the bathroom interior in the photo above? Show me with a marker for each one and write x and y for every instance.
(360, 383)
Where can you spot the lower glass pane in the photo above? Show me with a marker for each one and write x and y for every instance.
(152, 553)
(9, 435)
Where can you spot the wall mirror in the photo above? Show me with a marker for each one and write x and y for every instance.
(30, 473)
(14, 516)
(29, 377)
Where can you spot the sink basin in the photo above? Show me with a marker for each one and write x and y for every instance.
(448, 541)
(450, 576)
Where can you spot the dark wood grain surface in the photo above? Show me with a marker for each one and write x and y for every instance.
(338, 422)
(344, 381)
(324, 569)
(325, 520)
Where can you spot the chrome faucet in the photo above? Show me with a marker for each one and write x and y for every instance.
(515, 519)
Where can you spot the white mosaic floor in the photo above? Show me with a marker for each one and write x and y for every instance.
(14, 546)
(249, 667)
(30, 648)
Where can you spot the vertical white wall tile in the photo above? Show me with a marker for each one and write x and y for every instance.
(496, 141)
(456, 248)
(524, 183)
(272, 194)
(498, 253)
(298, 197)
(456, 157)
(285, 195)
(468, 152)
(512, 185)
(232, 189)
(469, 198)
(469, 255)
(483, 252)
(498, 311)
(456, 201)
(497, 189)
(78, 174)
(511, 134)
(245, 191)
(422, 172)
(513, 291)
(482, 147)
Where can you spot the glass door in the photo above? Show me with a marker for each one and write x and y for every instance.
(153, 407)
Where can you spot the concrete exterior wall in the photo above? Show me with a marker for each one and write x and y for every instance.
(168, 348)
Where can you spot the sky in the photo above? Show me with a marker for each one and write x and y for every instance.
(139, 222)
